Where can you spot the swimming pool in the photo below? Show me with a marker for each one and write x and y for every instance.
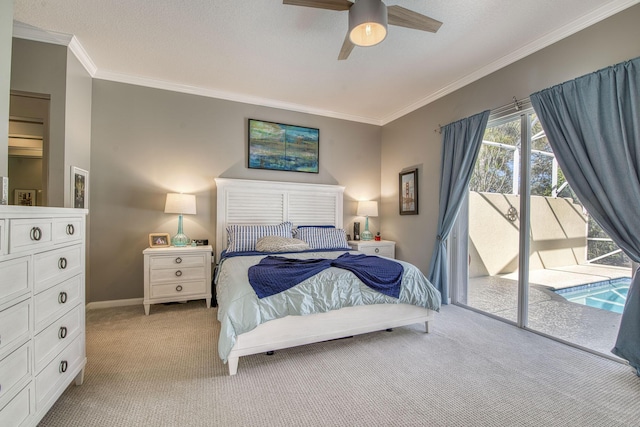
(610, 295)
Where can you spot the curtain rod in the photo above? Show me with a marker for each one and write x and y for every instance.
(516, 105)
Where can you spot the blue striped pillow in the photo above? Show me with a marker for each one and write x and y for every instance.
(323, 238)
(241, 238)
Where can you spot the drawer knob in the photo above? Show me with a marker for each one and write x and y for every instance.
(71, 229)
(62, 333)
(178, 273)
(178, 260)
(63, 366)
(36, 234)
(62, 297)
(377, 250)
(179, 288)
(62, 263)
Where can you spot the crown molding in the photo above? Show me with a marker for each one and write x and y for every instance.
(579, 24)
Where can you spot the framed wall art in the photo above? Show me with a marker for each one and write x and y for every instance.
(24, 197)
(159, 240)
(79, 188)
(409, 192)
(277, 146)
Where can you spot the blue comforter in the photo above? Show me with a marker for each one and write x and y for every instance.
(275, 274)
(240, 310)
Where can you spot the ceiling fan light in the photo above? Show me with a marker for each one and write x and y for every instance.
(367, 22)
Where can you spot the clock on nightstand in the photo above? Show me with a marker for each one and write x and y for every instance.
(175, 274)
(386, 248)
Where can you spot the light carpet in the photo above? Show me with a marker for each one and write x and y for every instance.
(471, 370)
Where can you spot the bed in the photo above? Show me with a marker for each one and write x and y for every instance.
(302, 314)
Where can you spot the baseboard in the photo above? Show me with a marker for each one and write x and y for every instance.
(114, 303)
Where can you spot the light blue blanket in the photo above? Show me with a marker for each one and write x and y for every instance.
(240, 310)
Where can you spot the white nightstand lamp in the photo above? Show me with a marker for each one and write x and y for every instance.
(181, 204)
(367, 209)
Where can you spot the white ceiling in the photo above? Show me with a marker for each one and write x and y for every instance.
(267, 53)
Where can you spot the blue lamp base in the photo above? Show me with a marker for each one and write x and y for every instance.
(366, 234)
(180, 239)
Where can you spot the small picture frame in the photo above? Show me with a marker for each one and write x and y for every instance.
(409, 192)
(24, 197)
(159, 240)
(79, 188)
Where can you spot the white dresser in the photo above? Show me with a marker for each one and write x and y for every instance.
(177, 274)
(375, 247)
(42, 309)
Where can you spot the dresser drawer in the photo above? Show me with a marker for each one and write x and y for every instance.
(177, 290)
(14, 326)
(56, 336)
(14, 278)
(176, 274)
(172, 261)
(13, 370)
(68, 230)
(50, 268)
(59, 371)
(29, 234)
(16, 412)
(383, 250)
(54, 302)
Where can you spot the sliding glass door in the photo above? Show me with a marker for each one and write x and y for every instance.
(524, 248)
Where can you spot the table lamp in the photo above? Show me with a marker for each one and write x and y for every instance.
(367, 209)
(181, 204)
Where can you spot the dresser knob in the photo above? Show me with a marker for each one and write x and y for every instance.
(63, 366)
(178, 273)
(71, 229)
(62, 263)
(62, 333)
(36, 233)
(179, 288)
(62, 297)
(178, 260)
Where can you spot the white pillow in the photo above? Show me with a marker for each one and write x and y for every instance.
(280, 244)
(323, 238)
(241, 238)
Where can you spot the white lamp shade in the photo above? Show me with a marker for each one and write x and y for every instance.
(367, 22)
(369, 208)
(180, 203)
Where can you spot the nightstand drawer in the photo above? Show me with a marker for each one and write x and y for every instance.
(181, 261)
(173, 274)
(178, 289)
(14, 279)
(54, 266)
(13, 369)
(378, 250)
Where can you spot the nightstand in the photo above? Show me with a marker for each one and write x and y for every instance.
(177, 274)
(385, 248)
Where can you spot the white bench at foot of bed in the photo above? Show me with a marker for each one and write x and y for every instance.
(293, 331)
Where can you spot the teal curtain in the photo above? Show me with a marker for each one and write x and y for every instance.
(593, 126)
(461, 142)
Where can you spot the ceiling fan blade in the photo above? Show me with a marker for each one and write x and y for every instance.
(346, 48)
(398, 15)
(321, 4)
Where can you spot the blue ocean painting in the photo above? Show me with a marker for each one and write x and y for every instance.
(283, 147)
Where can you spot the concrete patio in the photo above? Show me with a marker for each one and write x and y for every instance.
(549, 312)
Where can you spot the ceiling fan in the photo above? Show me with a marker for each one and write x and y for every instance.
(368, 20)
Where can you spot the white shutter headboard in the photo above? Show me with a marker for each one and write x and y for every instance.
(248, 202)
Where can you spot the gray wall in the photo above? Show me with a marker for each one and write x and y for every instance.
(6, 30)
(147, 142)
(411, 141)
